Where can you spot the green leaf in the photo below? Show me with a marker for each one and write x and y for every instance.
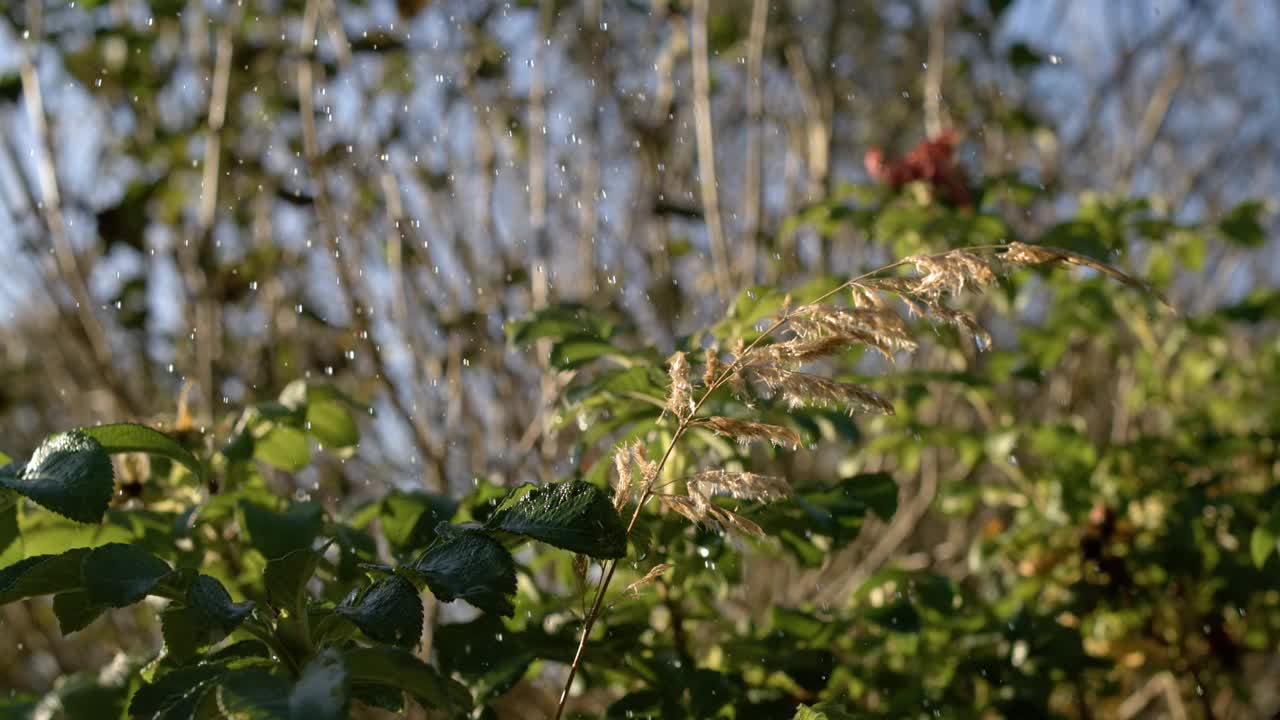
(4, 459)
(175, 689)
(577, 351)
(557, 323)
(573, 515)
(1080, 236)
(823, 711)
(750, 307)
(877, 490)
(93, 695)
(283, 447)
(385, 665)
(1243, 226)
(389, 611)
(254, 694)
(899, 616)
(1021, 56)
(277, 534)
(75, 611)
(286, 578)
(208, 596)
(42, 575)
(70, 474)
(116, 575)
(131, 437)
(329, 419)
(836, 511)
(205, 616)
(489, 657)
(409, 520)
(10, 536)
(185, 633)
(1261, 545)
(384, 697)
(324, 690)
(470, 566)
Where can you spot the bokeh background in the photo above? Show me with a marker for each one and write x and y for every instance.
(202, 201)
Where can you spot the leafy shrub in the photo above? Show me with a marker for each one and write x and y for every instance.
(321, 618)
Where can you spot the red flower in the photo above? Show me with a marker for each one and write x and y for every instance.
(932, 161)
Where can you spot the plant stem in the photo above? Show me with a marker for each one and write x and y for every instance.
(266, 635)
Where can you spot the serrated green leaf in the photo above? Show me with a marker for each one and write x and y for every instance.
(469, 566)
(277, 534)
(286, 578)
(42, 575)
(75, 611)
(573, 515)
(389, 611)
(283, 447)
(70, 474)
(185, 633)
(116, 575)
(394, 667)
(204, 616)
(131, 437)
(323, 692)
(208, 596)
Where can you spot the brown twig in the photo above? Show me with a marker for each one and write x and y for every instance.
(752, 196)
(430, 447)
(934, 121)
(64, 253)
(706, 149)
(206, 322)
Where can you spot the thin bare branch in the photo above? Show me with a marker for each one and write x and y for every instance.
(64, 253)
(707, 183)
(752, 184)
(428, 445)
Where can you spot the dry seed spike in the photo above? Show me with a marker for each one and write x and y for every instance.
(800, 389)
(1025, 255)
(713, 367)
(746, 431)
(680, 399)
(741, 485)
(622, 463)
(654, 573)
